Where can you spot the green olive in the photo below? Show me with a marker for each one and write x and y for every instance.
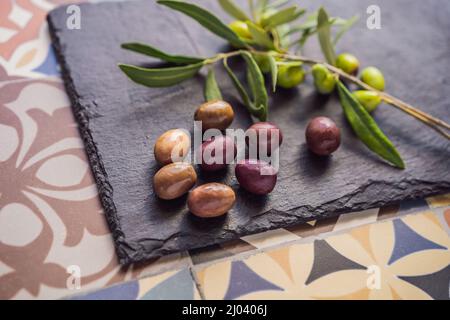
(373, 77)
(347, 63)
(290, 75)
(241, 29)
(368, 99)
(263, 61)
(324, 80)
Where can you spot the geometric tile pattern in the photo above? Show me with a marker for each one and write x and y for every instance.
(357, 264)
(50, 216)
(173, 285)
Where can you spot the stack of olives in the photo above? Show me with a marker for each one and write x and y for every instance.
(325, 81)
(176, 177)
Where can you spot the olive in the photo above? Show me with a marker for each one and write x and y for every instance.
(323, 137)
(368, 99)
(373, 77)
(256, 176)
(172, 146)
(263, 132)
(324, 80)
(263, 61)
(211, 200)
(215, 114)
(347, 63)
(216, 153)
(174, 180)
(241, 29)
(290, 75)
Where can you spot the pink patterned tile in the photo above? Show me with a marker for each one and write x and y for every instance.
(50, 215)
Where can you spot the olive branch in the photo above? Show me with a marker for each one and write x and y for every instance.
(263, 41)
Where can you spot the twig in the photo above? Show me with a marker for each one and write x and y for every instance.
(424, 117)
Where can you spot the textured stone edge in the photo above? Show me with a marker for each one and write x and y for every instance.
(132, 252)
(126, 253)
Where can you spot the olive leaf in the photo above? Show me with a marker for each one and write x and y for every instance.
(324, 33)
(282, 17)
(273, 71)
(206, 19)
(257, 103)
(233, 10)
(239, 87)
(258, 87)
(160, 77)
(347, 24)
(367, 129)
(156, 53)
(212, 90)
(261, 5)
(277, 4)
(310, 23)
(260, 36)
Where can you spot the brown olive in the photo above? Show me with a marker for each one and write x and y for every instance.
(323, 137)
(256, 176)
(217, 152)
(174, 180)
(263, 132)
(216, 114)
(172, 146)
(211, 200)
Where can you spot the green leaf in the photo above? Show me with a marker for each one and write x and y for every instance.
(277, 4)
(239, 87)
(156, 53)
(160, 77)
(233, 10)
(324, 33)
(261, 6)
(282, 17)
(258, 86)
(273, 71)
(367, 129)
(345, 27)
(259, 104)
(212, 90)
(309, 24)
(206, 19)
(260, 36)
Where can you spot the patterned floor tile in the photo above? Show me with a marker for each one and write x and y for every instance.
(25, 47)
(439, 201)
(173, 285)
(50, 216)
(356, 219)
(270, 238)
(406, 258)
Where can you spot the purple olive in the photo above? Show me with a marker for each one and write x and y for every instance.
(256, 176)
(323, 137)
(216, 153)
(263, 132)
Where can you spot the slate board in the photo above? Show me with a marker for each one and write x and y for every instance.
(119, 122)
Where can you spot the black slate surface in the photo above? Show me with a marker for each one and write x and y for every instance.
(119, 121)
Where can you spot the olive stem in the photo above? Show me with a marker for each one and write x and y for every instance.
(424, 117)
(221, 56)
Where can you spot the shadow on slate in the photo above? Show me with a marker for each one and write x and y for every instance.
(119, 122)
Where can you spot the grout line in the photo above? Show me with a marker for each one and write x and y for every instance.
(197, 282)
